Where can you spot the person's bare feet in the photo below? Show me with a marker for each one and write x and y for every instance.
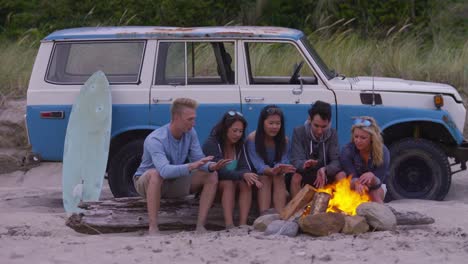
(200, 229)
(244, 226)
(153, 231)
(230, 226)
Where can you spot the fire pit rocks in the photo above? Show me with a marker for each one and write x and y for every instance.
(333, 209)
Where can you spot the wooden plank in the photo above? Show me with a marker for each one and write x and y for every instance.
(303, 197)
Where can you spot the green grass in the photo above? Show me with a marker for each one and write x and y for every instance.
(16, 61)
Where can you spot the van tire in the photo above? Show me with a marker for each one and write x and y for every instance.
(122, 167)
(419, 169)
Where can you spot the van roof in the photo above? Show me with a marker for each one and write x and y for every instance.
(145, 32)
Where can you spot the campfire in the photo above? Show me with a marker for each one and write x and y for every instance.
(332, 209)
(333, 198)
(342, 198)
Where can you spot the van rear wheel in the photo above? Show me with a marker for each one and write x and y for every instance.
(419, 169)
(122, 167)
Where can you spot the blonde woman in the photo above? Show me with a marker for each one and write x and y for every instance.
(366, 158)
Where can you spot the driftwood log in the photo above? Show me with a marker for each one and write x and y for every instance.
(411, 218)
(129, 214)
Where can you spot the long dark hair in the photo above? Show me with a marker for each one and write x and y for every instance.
(220, 130)
(279, 139)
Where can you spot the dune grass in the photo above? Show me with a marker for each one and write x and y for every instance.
(404, 57)
(16, 61)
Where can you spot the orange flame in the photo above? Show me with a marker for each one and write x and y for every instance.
(343, 198)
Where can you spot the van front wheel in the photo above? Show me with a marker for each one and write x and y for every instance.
(419, 169)
(122, 167)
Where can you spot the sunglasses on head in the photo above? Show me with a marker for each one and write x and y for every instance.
(362, 122)
(233, 113)
(273, 110)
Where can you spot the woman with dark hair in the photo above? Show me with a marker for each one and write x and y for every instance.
(268, 148)
(226, 141)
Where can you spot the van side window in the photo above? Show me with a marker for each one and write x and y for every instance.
(194, 63)
(175, 63)
(74, 63)
(275, 63)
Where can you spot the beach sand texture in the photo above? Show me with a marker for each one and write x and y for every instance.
(32, 230)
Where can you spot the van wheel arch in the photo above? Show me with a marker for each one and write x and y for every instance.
(418, 129)
(122, 167)
(124, 158)
(122, 139)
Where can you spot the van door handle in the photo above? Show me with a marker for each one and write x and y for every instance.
(297, 91)
(249, 99)
(160, 100)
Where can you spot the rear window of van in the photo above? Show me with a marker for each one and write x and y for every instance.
(74, 63)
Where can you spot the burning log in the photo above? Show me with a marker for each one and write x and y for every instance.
(320, 203)
(297, 204)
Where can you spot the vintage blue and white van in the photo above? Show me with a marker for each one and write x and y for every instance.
(241, 68)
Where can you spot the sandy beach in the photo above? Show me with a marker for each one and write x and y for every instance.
(32, 230)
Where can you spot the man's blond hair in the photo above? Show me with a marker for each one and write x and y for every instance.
(180, 103)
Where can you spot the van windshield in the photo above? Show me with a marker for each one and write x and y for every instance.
(330, 74)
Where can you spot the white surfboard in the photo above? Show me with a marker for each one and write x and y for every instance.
(87, 143)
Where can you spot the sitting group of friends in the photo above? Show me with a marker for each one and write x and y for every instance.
(266, 160)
